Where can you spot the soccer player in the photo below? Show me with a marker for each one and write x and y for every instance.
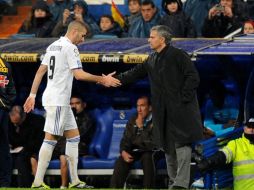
(62, 62)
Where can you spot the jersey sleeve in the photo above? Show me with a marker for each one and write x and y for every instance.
(73, 58)
(45, 60)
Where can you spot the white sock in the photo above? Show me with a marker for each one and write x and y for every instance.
(45, 154)
(71, 152)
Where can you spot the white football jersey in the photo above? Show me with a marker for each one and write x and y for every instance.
(61, 58)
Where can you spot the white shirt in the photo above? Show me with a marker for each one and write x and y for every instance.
(61, 58)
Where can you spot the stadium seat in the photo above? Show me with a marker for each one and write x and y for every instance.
(215, 118)
(55, 164)
(95, 114)
(112, 124)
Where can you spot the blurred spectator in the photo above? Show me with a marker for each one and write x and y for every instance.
(80, 13)
(238, 151)
(221, 109)
(140, 27)
(135, 11)
(109, 27)
(7, 98)
(26, 136)
(7, 8)
(224, 18)
(136, 144)
(250, 5)
(57, 8)
(197, 10)
(86, 129)
(3, 6)
(39, 22)
(180, 24)
(248, 27)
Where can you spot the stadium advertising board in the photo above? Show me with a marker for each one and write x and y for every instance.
(20, 57)
(85, 58)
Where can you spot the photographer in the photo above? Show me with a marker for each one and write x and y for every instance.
(223, 19)
(80, 13)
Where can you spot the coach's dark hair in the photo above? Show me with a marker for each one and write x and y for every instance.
(163, 31)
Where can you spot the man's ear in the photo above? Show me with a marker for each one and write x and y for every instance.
(162, 39)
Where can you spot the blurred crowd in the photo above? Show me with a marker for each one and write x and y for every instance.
(216, 19)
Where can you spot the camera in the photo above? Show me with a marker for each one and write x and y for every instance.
(219, 8)
(72, 15)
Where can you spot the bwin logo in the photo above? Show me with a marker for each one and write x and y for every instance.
(122, 115)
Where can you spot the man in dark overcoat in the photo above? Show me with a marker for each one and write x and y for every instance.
(176, 116)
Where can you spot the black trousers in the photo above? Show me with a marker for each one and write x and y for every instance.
(5, 157)
(21, 162)
(122, 168)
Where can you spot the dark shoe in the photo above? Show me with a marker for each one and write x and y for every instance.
(177, 187)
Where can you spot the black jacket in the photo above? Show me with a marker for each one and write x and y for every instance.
(181, 25)
(135, 139)
(40, 28)
(116, 30)
(173, 82)
(29, 135)
(7, 89)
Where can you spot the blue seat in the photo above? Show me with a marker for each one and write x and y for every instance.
(214, 117)
(95, 114)
(55, 164)
(112, 123)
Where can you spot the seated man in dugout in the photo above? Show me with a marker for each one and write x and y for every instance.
(25, 137)
(136, 144)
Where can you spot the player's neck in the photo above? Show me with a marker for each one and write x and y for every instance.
(69, 37)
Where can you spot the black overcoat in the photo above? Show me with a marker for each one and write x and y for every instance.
(173, 82)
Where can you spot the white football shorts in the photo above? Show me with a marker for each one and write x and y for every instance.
(59, 119)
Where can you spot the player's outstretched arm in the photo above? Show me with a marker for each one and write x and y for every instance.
(30, 101)
(105, 80)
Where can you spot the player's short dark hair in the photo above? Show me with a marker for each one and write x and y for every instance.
(78, 24)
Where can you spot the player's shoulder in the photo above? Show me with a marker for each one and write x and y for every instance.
(67, 43)
(63, 43)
